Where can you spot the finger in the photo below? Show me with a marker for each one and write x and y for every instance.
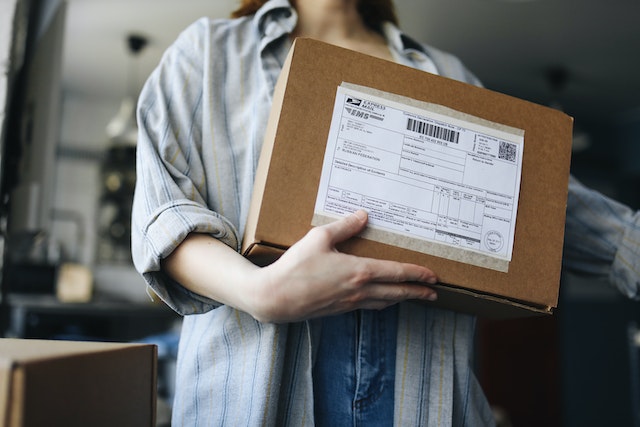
(397, 272)
(346, 227)
(394, 293)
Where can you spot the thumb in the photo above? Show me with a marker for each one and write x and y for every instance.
(347, 227)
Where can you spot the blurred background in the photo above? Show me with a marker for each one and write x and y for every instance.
(72, 71)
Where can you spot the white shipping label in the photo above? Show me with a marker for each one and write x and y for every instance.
(437, 179)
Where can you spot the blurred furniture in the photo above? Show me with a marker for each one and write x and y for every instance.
(42, 316)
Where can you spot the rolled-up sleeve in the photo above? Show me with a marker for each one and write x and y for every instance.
(170, 196)
(602, 239)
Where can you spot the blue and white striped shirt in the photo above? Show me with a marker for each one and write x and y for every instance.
(202, 116)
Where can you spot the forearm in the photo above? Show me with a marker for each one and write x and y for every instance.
(602, 238)
(208, 267)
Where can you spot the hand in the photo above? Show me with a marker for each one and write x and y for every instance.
(313, 279)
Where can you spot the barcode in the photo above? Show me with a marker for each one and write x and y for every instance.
(433, 131)
(507, 151)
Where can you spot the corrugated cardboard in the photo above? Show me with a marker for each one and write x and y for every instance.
(290, 167)
(65, 383)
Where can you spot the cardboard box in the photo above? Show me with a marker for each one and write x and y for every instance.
(64, 383)
(290, 170)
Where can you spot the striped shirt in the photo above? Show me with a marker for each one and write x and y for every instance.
(202, 115)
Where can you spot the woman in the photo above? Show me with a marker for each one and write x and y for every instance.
(318, 337)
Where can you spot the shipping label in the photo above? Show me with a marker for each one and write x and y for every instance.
(432, 179)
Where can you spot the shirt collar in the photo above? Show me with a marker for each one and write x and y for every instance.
(411, 52)
(274, 19)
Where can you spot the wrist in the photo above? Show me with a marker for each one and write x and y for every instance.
(260, 297)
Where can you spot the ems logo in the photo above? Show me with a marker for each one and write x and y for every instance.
(357, 113)
(354, 101)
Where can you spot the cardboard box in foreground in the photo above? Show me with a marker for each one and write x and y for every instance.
(65, 383)
(526, 275)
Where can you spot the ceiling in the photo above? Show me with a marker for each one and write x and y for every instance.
(510, 45)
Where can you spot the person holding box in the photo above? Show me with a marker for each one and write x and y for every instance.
(318, 337)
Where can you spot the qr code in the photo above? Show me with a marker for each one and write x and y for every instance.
(507, 151)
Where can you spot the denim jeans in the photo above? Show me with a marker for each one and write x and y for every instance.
(354, 372)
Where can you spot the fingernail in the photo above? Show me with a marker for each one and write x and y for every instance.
(432, 297)
(362, 215)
